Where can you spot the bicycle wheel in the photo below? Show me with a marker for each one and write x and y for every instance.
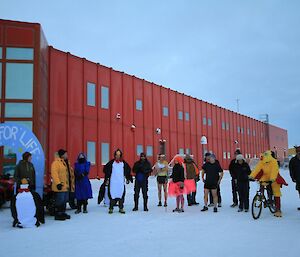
(271, 204)
(256, 206)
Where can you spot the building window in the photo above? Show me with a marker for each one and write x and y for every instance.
(104, 97)
(181, 151)
(228, 155)
(165, 111)
(242, 130)
(91, 152)
(254, 134)
(91, 94)
(139, 105)
(149, 151)
(209, 122)
(224, 155)
(19, 81)
(0, 52)
(104, 153)
(223, 125)
(187, 116)
(13, 53)
(227, 126)
(18, 110)
(187, 151)
(248, 131)
(180, 115)
(238, 129)
(139, 149)
(204, 120)
(27, 124)
(0, 77)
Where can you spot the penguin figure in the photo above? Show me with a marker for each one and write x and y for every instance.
(27, 207)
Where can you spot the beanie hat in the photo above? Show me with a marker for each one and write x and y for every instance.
(207, 154)
(238, 151)
(61, 152)
(26, 155)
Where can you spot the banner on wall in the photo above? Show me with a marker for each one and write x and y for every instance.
(20, 139)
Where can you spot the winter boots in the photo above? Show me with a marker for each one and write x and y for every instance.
(278, 207)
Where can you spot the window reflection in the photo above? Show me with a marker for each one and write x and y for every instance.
(104, 97)
(91, 91)
(16, 53)
(20, 110)
(19, 81)
(104, 153)
(91, 152)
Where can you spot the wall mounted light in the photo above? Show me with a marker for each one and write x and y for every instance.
(118, 116)
(133, 127)
(158, 131)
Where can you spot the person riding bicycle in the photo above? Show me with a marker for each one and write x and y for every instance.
(267, 170)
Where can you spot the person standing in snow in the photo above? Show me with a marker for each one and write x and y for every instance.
(83, 189)
(161, 171)
(242, 172)
(141, 169)
(232, 169)
(176, 186)
(212, 174)
(294, 167)
(116, 171)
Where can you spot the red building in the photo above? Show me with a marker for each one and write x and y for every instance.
(72, 103)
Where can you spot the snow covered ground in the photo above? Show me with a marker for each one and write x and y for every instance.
(160, 232)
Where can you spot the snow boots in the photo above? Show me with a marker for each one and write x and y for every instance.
(278, 207)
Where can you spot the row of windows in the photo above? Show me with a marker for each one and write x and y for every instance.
(91, 95)
(226, 155)
(105, 151)
(17, 53)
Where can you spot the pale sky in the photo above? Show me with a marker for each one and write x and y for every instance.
(214, 50)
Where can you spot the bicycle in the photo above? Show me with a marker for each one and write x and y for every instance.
(259, 200)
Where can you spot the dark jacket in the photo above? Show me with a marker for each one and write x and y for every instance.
(294, 167)
(108, 170)
(233, 168)
(178, 173)
(142, 170)
(25, 169)
(242, 172)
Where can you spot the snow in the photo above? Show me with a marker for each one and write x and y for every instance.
(160, 232)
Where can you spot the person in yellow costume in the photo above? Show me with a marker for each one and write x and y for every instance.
(267, 170)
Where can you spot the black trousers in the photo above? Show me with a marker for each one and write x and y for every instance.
(138, 186)
(243, 189)
(234, 191)
(83, 203)
(191, 198)
(113, 202)
(211, 199)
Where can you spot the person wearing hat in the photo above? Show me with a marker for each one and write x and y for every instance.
(27, 207)
(242, 172)
(232, 169)
(116, 171)
(294, 167)
(212, 174)
(63, 179)
(25, 169)
(142, 168)
(192, 174)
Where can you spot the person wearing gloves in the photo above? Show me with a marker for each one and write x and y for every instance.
(267, 170)
(142, 168)
(115, 171)
(212, 174)
(63, 179)
(83, 189)
(242, 171)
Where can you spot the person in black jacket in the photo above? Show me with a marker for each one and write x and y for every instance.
(178, 183)
(212, 174)
(232, 170)
(115, 171)
(141, 169)
(294, 167)
(242, 170)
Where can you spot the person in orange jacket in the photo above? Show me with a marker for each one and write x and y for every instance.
(267, 170)
(191, 172)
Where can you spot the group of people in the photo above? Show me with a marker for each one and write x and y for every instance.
(69, 182)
